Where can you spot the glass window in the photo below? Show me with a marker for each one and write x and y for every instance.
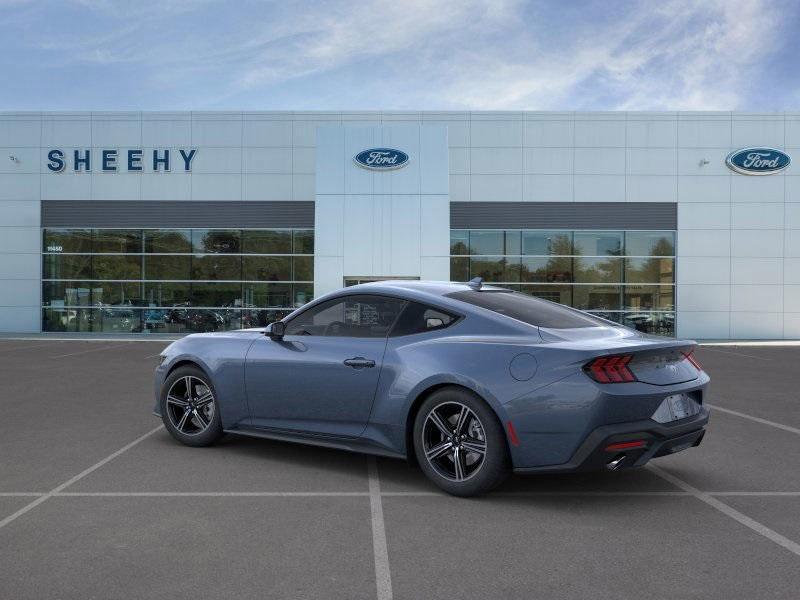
(117, 266)
(562, 294)
(216, 240)
(67, 319)
(598, 270)
(527, 309)
(303, 292)
(419, 318)
(598, 243)
(167, 294)
(67, 266)
(135, 280)
(650, 243)
(267, 241)
(655, 323)
(117, 320)
(649, 270)
(649, 297)
(486, 242)
(459, 242)
(67, 240)
(117, 240)
(304, 241)
(216, 294)
(351, 316)
(303, 268)
(492, 268)
(267, 268)
(459, 269)
(217, 267)
(547, 243)
(168, 267)
(167, 241)
(268, 295)
(610, 273)
(546, 270)
(597, 297)
(512, 242)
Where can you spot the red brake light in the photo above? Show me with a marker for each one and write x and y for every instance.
(625, 445)
(611, 369)
(690, 357)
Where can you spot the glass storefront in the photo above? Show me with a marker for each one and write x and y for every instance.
(624, 276)
(173, 280)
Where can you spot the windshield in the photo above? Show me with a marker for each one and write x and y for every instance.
(528, 309)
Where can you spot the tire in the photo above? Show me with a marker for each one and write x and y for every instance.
(194, 422)
(450, 409)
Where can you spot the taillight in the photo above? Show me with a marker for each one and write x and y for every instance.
(610, 369)
(691, 358)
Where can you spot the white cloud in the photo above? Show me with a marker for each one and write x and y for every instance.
(475, 54)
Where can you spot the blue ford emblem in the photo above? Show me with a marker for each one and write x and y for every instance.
(381, 159)
(758, 161)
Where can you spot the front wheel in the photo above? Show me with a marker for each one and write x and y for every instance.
(460, 444)
(189, 407)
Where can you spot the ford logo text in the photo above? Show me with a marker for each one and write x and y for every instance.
(758, 161)
(381, 159)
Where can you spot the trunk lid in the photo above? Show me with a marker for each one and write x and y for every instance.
(654, 360)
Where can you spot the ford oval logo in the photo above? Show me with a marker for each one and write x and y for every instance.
(381, 159)
(758, 161)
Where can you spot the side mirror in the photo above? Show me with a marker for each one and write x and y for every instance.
(276, 330)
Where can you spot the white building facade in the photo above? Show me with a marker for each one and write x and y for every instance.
(179, 222)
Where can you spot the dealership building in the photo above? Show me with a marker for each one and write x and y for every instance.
(675, 223)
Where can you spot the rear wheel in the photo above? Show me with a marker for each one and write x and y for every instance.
(189, 407)
(460, 444)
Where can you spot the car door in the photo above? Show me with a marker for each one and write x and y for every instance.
(321, 377)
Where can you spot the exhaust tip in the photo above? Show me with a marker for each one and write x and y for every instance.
(615, 463)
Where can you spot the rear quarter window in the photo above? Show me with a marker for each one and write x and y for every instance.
(530, 310)
(418, 318)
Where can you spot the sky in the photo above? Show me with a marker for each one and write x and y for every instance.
(400, 55)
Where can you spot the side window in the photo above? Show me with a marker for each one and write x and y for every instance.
(417, 318)
(349, 316)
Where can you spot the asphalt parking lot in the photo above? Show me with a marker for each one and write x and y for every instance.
(97, 501)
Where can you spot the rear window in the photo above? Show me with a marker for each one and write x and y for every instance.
(528, 309)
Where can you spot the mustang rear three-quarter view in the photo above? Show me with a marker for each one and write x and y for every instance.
(467, 380)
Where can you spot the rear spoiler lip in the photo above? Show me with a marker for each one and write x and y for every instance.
(608, 347)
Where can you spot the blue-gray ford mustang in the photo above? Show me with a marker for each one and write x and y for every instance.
(469, 381)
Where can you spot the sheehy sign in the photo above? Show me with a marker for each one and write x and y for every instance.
(111, 161)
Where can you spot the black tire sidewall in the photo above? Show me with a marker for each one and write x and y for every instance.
(214, 431)
(496, 466)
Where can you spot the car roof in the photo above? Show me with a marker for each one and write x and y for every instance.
(406, 287)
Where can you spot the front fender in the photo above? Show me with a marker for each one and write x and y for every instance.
(221, 358)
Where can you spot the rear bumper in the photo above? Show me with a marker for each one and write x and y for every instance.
(660, 440)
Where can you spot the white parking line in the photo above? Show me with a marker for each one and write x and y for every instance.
(734, 514)
(383, 577)
(788, 428)
(77, 477)
(209, 494)
(564, 494)
(87, 351)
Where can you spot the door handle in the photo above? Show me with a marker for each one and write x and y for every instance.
(359, 362)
